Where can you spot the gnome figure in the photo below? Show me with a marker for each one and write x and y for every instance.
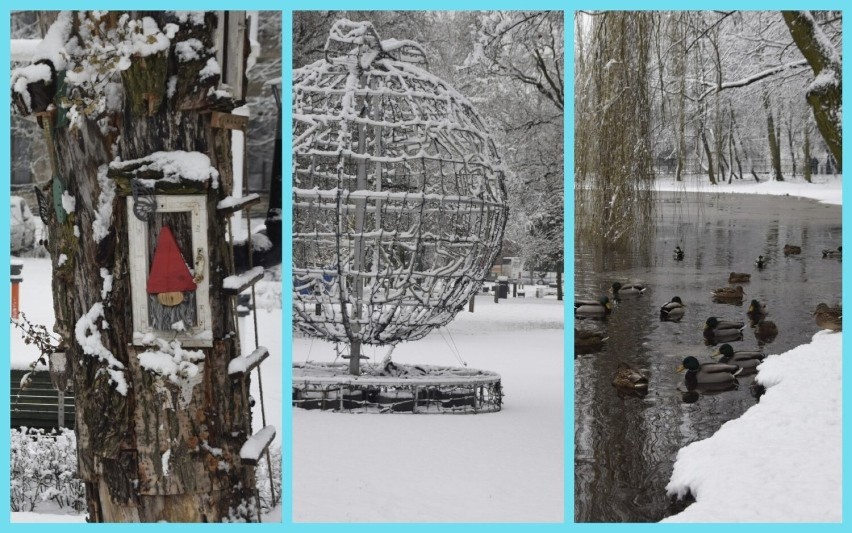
(171, 288)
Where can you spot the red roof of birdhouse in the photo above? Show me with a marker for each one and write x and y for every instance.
(169, 272)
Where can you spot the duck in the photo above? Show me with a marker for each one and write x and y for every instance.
(745, 359)
(708, 373)
(756, 311)
(829, 317)
(739, 277)
(838, 253)
(678, 254)
(716, 330)
(587, 338)
(600, 307)
(630, 289)
(627, 377)
(789, 249)
(760, 262)
(720, 326)
(765, 331)
(673, 310)
(729, 293)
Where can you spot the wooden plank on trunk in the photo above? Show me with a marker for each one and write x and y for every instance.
(233, 285)
(244, 364)
(231, 205)
(254, 447)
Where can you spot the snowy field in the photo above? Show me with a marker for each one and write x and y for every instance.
(825, 188)
(37, 305)
(782, 460)
(498, 467)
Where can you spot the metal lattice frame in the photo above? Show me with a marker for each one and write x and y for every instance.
(399, 202)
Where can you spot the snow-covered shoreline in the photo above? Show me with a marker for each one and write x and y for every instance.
(827, 189)
(782, 460)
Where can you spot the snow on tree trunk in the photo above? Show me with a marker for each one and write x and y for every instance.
(132, 84)
(825, 92)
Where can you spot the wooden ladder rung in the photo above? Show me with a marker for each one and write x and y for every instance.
(254, 447)
(244, 364)
(231, 205)
(233, 285)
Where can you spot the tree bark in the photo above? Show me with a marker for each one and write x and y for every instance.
(825, 94)
(706, 145)
(774, 141)
(158, 451)
(806, 153)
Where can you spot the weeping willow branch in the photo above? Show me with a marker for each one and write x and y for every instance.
(613, 159)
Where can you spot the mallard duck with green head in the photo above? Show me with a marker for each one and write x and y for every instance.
(716, 330)
(835, 254)
(673, 310)
(720, 374)
(629, 289)
(745, 359)
(627, 377)
(592, 308)
(829, 317)
(729, 294)
(739, 277)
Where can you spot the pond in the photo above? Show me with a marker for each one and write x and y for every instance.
(625, 445)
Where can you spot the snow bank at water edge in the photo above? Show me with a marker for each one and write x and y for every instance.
(781, 460)
(827, 189)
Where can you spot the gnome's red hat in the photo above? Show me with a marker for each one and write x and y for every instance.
(169, 272)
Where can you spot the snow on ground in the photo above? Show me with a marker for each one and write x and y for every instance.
(273, 516)
(497, 467)
(43, 518)
(825, 188)
(782, 460)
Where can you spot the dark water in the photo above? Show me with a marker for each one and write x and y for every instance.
(625, 445)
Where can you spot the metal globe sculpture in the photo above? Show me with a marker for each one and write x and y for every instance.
(399, 202)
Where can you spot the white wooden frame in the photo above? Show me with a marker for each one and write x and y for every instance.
(200, 335)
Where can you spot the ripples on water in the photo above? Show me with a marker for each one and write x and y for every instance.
(625, 445)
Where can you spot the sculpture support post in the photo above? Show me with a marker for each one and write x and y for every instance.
(358, 259)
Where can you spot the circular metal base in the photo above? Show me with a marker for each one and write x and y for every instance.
(393, 388)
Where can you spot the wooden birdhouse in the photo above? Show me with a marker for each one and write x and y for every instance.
(169, 271)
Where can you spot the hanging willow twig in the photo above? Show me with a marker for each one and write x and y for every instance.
(613, 158)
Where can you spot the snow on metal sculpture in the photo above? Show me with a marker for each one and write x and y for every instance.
(399, 202)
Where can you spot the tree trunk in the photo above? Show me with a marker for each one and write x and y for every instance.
(825, 93)
(790, 143)
(806, 153)
(774, 141)
(560, 266)
(149, 448)
(709, 154)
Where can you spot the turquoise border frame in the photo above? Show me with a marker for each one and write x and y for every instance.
(287, 7)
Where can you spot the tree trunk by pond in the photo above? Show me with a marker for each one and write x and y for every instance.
(774, 140)
(825, 94)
